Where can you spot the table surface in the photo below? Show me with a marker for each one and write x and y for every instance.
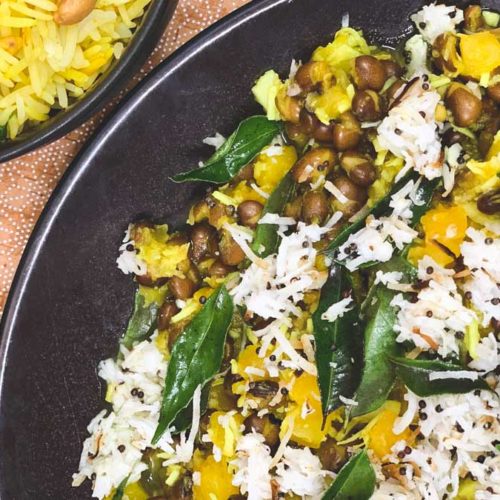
(27, 182)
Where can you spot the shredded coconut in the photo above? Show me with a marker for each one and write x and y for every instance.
(457, 430)
(272, 289)
(128, 262)
(433, 20)
(300, 473)
(376, 241)
(130, 424)
(338, 309)
(215, 141)
(252, 465)
(438, 314)
(481, 255)
(410, 131)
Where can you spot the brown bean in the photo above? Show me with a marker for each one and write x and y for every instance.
(391, 68)
(73, 11)
(314, 207)
(494, 90)
(310, 75)
(245, 174)
(465, 106)
(347, 133)
(315, 162)
(265, 425)
(312, 126)
(167, 310)
(147, 280)
(288, 106)
(331, 455)
(369, 73)
(350, 190)
(216, 214)
(366, 105)
(219, 270)
(203, 242)
(249, 213)
(473, 18)
(231, 253)
(489, 202)
(359, 168)
(181, 288)
(295, 134)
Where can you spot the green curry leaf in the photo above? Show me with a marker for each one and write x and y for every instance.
(355, 481)
(242, 146)
(382, 208)
(266, 239)
(142, 322)
(378, 373)
(416, 374)
(338, 343)
(196, 357)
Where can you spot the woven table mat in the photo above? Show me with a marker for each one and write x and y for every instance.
(27, 182)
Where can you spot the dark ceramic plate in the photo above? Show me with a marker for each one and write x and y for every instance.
(107, 86)
(70, 303)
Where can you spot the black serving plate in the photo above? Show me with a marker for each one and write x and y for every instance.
(106, 87)
(70, 303)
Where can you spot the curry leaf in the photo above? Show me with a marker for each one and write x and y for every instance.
(240, 148)
(196, 357)
(266, 239)
(382, 208)
(378, 373)
(355, 481)
(142, 323)
(338, 343)
(417, 376)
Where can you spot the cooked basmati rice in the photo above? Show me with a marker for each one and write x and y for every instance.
(45, 66)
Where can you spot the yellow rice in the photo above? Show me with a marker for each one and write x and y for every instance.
(45, 66)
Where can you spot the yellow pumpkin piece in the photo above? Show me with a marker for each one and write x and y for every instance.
(305, 413)
(215, 480)
(249, 358)
(161, 257)
(243, 192)
(480, 53)
(224, 431)
(380, 437)
(446, 226)
(270, 169)
(332, 102)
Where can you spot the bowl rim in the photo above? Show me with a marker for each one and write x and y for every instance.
(152, 25)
